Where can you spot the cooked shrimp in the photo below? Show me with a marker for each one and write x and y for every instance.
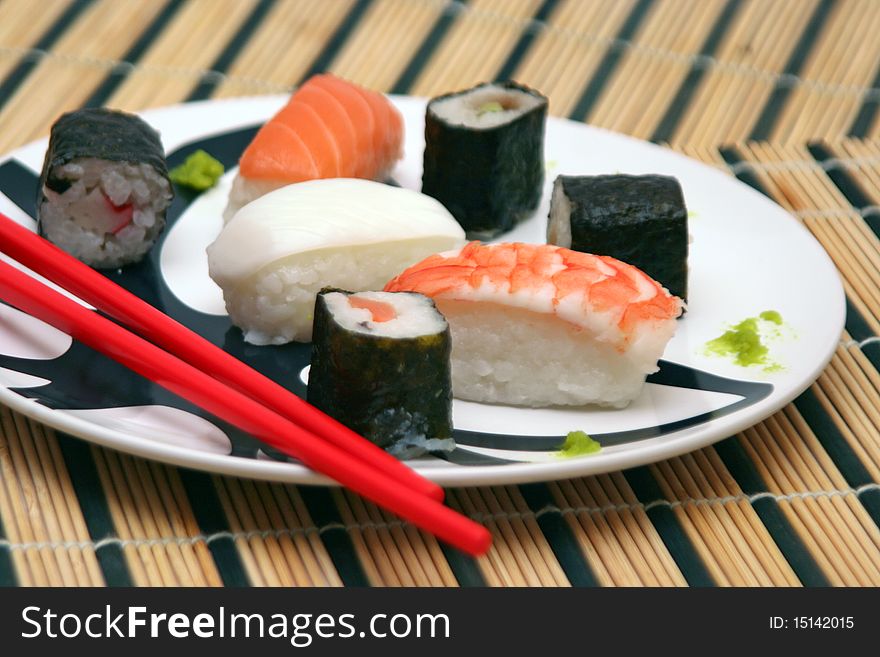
(544, 278)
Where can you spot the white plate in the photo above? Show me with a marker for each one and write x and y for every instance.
(747, 256)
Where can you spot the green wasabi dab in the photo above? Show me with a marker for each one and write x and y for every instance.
(771, 316)
(743, 342)
(199, 171)
(578, 443)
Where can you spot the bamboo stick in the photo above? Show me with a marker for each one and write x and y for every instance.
(246, 550)
(378, 565)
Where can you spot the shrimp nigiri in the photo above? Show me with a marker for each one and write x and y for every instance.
(541, 325)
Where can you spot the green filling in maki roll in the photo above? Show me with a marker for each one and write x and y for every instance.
(484, 155)
(380, 365)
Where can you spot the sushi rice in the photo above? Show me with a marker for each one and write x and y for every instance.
(85, 218)
(276, 305)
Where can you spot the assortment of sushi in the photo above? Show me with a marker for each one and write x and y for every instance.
(402, 312)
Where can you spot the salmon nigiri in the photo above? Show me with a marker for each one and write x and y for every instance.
(330, 128)
(541, 325)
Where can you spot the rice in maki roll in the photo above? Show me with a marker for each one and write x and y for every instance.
(641, 220)
(381, 366)
(484, 155)
(104, 187)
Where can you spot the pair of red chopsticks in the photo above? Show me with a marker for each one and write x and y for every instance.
(207, 376)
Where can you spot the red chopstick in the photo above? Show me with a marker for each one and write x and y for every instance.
(35, 298)
(61, 268)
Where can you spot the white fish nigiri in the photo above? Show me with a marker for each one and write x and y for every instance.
(278, 251)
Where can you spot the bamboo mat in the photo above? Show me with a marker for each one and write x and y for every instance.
(782, 94)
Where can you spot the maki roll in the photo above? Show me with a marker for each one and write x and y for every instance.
(641, 220)
(380, 365)
(484, 155)
(104, 187)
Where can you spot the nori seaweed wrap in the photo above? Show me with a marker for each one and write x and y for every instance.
(641, 220)
(104, 187)
(381, 366)
(484, 155)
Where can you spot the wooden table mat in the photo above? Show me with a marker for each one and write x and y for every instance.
(782, 94)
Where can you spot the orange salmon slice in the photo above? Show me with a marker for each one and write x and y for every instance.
(278, 153)
(361, 116)
(342, 129)
(338, 123)
(305, 121)
(381, 311)
(387, 132)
